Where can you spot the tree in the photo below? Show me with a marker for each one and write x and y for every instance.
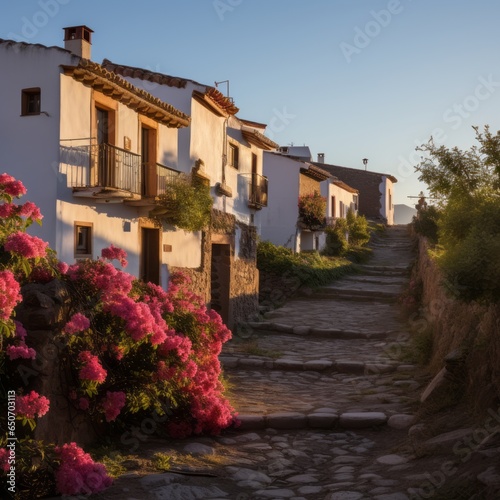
(450, 172)
(468, 185)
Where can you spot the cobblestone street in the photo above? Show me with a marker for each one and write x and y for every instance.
(325, 404)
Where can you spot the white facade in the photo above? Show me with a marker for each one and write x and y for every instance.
(387, 199)
(51, 153)
(290, 178)
(213, 129)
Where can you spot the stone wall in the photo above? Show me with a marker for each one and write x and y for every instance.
(470, 328)
(244, 275)
(43, 313)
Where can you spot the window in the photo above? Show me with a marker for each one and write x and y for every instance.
(30, 101)
(333, 211)
(234, 154)
(83, 240)
(355, 200)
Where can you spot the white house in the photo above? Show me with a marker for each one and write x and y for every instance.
(94, 151)
(376, 190)
(289, 178)
(88, 145)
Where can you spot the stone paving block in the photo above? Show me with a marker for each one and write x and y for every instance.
(280, 327)
(288, 364)
(251, 422)
(375, 368)
(349, 366)
(286, 420)
(444, 443)
(251, 363)
(301, 330)
(361, 420)
(400, 421)
(322, 420)
(318, 365)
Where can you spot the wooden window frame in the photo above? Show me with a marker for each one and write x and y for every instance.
(26, 94)
(234, 159)
(89, 226)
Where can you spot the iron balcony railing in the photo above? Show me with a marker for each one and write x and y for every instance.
(164, 177)
(102, 165)
(257, 189)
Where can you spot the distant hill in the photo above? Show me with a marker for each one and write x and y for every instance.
(403, 214)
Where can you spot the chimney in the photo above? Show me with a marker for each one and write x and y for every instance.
(321, 157)
(78, 40)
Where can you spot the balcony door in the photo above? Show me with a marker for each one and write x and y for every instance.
(106, 174)
(148, 161)
(150, 255)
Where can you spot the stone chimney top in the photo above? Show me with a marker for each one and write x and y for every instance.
(321, 157)
(78, 40)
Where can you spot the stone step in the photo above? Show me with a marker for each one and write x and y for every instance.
(270, 328)
(323, 418)
(350, 295)
(375, 367)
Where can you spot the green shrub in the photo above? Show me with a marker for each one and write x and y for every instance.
(336, 242)
(470, 235)
(309, 269)
(357, 226)
(426, 223)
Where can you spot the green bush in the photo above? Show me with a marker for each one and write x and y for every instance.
(357, 226)
(470, 236)
(425, 223)
(336, 242)
(309, 269)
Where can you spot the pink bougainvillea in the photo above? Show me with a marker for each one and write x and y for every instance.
(30, 210)
(78, 473)
(26, 245)
(4, 459)
(77, 323)
(115, 253)
(113, 404)
(32, 405)
(11, 186)
(9, 294)
(20, 351)
(91, 369)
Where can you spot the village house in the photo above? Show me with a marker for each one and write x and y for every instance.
(376, 190)
(95, 151)
(291, 177)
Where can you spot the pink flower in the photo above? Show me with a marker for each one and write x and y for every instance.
(4, 457)
(62, 267)
(9, 294)
(26, 245)
(113, 252)
(7, 210)
(20, 351)
(32, 405)
(30, 210)
(10, 186)
(77, 323)
(78, 473)
(92, 369)
(113, 405)
(83, 404)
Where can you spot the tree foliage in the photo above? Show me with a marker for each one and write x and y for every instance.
(467, 183)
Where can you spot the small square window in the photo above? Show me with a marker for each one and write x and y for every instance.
(30, 101)
(234, 154)
(83, 240)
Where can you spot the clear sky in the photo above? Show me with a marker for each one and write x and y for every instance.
(352, 79)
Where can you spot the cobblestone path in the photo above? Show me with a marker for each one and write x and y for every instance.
(325, 405)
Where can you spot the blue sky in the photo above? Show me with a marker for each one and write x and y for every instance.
(349, 78)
